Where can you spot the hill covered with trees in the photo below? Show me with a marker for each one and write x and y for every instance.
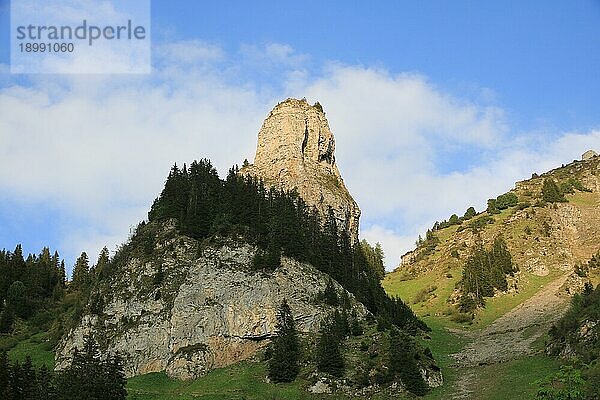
(281, 224)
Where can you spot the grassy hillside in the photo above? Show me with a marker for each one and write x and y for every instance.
(546, 240)
(245, 380)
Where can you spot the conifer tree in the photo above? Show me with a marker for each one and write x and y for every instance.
(7, 318)
(81, 272)
(284, 363)
(280, 224)
(114, 379)
(16, 383)
(329, 294)
(501, 256)
(89, 377)
(329, 354)
(16, 299)
(485, 271)
(63, 274)
(101, 269)
(16, 264)
(403, 363)
(356, 328)
(45, 385)
(28, 380)
(374, 257)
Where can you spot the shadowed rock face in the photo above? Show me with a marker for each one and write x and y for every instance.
(296, 150)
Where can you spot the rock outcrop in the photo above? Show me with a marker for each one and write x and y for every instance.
(296, 150)
(191, 307)
(588, 155)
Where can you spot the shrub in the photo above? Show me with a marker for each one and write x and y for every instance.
(479, 223)
(462, 317)
(454, 220)
(581, 270)
(470, 213)
(566, 384)
(506, 200)
(403, 363)
(492, 207)
(424, 294)
(551, 193)
(546, 228)
(572, 184)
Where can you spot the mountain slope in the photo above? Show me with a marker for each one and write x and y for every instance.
(546, 240)
(550, 240)
(210, 309)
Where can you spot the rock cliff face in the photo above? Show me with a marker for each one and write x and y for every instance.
(296, 150)
(191, 307)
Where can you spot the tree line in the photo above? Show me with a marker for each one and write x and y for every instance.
(35, 296)
(29, 287)
(88, 377)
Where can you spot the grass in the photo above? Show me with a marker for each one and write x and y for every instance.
(35, 347)
(437, 306)
(583, 199)
(409, 289)
(446, 233)
(442, 344)
(515, 379)
(244, 380)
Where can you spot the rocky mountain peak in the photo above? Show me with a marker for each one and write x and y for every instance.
(296, 150)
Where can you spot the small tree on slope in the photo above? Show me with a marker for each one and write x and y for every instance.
(284, 362)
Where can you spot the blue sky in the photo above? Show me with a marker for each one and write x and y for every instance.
(460, 98)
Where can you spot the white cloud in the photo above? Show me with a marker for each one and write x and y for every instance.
(393, 132)
(101, 146)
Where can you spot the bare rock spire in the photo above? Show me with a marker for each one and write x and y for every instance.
(296, 150)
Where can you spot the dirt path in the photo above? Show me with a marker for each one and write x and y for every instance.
(510, 336)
